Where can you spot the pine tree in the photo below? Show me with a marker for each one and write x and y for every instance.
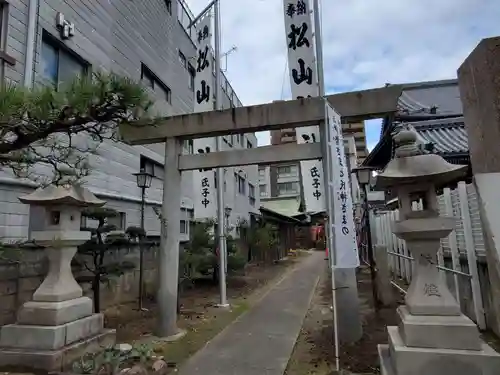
(59, 128)
(93, 252)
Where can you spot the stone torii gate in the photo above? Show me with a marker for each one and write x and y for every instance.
(352, 106)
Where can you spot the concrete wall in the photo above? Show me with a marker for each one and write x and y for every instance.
(18, 281)
(116, 36)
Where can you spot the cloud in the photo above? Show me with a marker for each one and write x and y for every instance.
(366, 43)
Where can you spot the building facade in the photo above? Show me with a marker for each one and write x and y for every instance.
(284, 180)
(146, 40)
(356, 130)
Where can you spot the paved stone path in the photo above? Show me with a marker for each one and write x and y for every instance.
(261, 341)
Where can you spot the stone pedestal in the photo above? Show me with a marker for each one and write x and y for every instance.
(58, 325)
(433, 337)
(436, 346)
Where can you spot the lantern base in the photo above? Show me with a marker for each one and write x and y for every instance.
(56, 360)
(54, 313)
(450, 332)
(397, 358)
(51, 335)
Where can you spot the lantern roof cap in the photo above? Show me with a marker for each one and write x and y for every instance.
(413, 165)
(71, 195)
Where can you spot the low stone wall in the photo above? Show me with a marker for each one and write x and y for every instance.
(21, 277)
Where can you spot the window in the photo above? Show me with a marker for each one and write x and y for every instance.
(119, 221)
(155, 84)
(251, 194)
(262, 172)
(182, 60)
(152, 167)
(59, 64)
(168, 3)
(288, 188)
(284, 170)
(263, 190)
(184, 227)
(192, 74)
(188, 146)
(288, 171)
(241, 185)
(185, 19)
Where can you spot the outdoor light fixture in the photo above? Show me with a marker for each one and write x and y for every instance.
(143, 182)
(143, 179)
(364, 175)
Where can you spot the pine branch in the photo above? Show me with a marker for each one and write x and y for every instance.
(59, 129)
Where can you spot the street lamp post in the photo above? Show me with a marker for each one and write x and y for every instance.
(364, 176)
(143, 182)
(227, 214)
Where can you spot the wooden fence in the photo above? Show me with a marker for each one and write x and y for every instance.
(461, 256)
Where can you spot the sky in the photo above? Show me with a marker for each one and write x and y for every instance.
(366, 44)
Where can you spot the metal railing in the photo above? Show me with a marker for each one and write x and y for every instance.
(437, 266)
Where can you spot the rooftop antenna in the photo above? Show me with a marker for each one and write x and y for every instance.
(226, 54)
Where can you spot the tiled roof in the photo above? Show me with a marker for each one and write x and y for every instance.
(419, 98)
(448, 136)
(434, 109)
(428, 99)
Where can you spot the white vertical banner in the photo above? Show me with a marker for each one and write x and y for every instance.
(304, 83)
(346, 246)
(205, 205)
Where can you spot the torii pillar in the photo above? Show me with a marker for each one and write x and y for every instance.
(479, 82)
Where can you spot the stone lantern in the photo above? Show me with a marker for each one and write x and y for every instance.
(58, 324)
(433, 336)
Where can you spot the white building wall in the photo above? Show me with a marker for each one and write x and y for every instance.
(115, 36)
(264, 176)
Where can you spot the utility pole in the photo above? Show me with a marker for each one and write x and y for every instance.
(220, 172)
(221, 237)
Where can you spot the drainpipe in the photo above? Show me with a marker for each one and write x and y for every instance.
(29, 62)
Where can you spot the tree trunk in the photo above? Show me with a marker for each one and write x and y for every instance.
(96, 289)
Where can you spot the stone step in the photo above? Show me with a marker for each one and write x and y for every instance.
(385, 360)
(434, 361)
(434, 331)
(57, 360)
(22, 336)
